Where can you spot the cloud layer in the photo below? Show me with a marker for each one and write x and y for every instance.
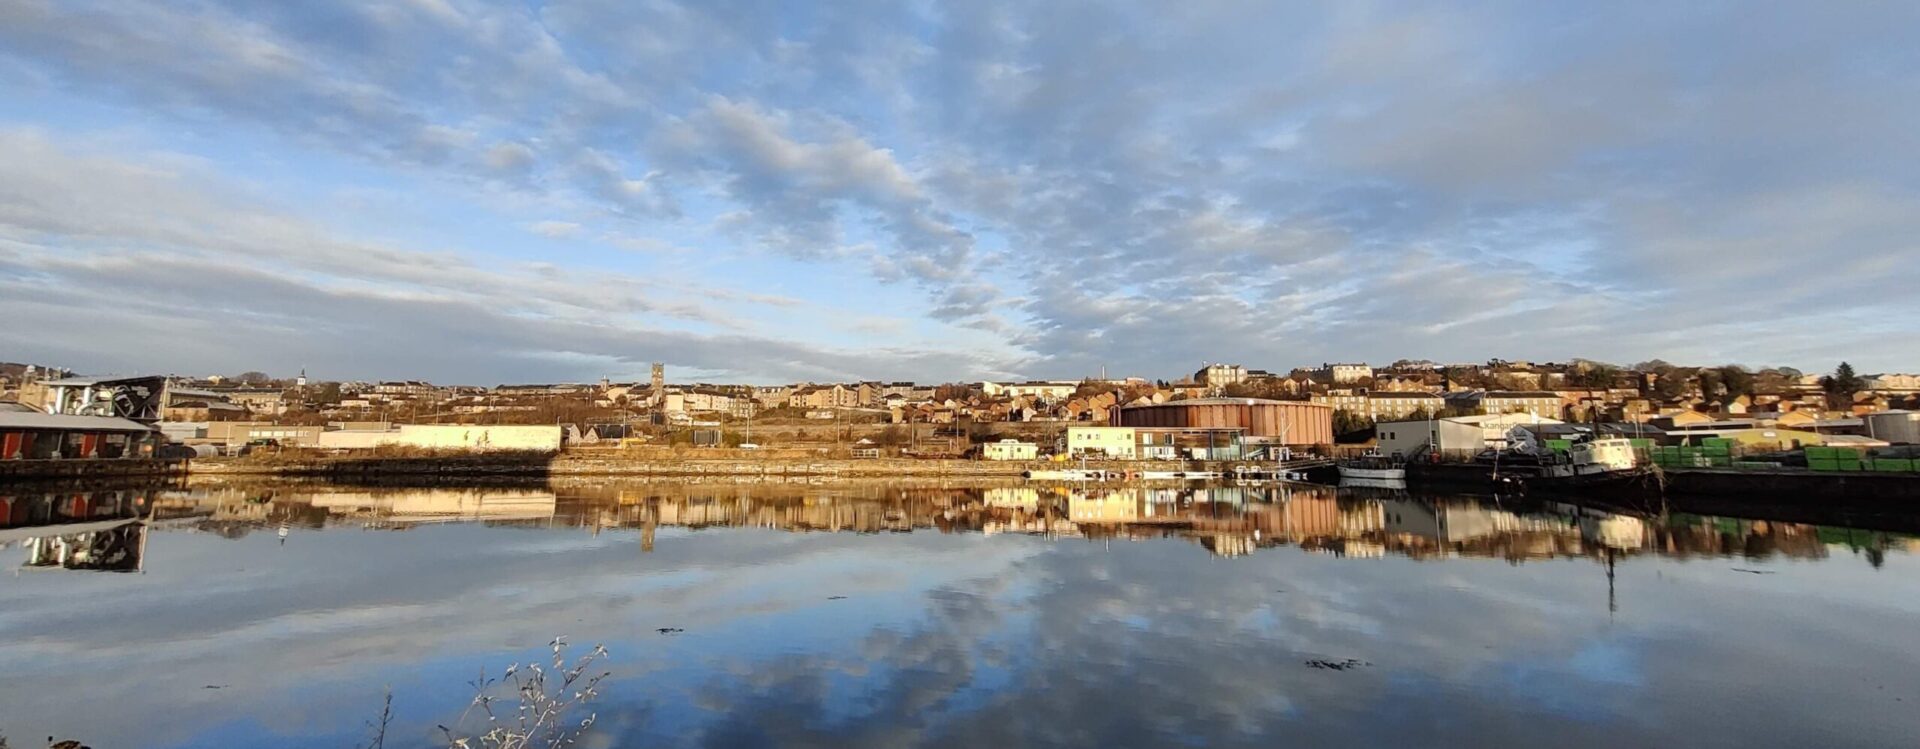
(480, 191)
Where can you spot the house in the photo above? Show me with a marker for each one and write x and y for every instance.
(1009, 449)
(405, 387)
(1044, 389)
(1107, 441)
(269, 401)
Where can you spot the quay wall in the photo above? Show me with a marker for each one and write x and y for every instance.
(587, 466)
(36, 470)
(1799, 485)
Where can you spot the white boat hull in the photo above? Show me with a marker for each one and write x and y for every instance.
(1373, 474)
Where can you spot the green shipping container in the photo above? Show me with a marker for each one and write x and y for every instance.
(1848, 465)
(1815, 451)
(1893, 464)
(1822, 464)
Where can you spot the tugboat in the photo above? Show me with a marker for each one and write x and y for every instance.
(1595, 462)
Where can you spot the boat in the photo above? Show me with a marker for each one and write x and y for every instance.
(1373, 468)
(1348, 482)
(1604, 463)
(1072, 474)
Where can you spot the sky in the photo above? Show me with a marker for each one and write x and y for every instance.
(492, 192)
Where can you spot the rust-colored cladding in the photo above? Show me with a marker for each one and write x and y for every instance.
(1298, 422)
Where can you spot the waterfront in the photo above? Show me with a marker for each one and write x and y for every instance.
(275, 614)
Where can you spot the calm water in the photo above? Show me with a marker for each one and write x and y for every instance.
(880, 615)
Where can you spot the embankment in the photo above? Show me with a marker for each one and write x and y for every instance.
(43, 470)
(565, 464)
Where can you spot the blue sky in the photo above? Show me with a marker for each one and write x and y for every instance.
(758, 191)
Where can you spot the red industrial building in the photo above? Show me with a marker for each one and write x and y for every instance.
(1258, 420)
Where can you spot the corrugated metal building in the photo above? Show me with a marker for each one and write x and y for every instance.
(1282, 422)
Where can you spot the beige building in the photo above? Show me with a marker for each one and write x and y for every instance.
(1112, 442)
(1540, 403)
(1217, 376)
(1009, 449)
(1381, 406)
(1044, 390)
(1345, 373)
(536, 437)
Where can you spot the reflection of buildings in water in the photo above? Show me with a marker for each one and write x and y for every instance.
(114, 549)
(1228, 520)
(97, 530)
(438, 505)
(1106, 506)
(1013, 497)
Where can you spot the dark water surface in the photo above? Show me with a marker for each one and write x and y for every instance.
(893, 615)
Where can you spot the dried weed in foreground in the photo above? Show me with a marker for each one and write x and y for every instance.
(535, 709)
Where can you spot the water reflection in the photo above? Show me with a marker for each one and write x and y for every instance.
(106, 530)
(274, 615)
(77, 530)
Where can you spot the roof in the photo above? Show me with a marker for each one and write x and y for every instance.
(100, 380)
(1232, 402)
(35, 420)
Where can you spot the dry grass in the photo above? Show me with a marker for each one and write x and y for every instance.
(530, 706)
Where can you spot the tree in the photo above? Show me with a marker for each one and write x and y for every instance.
(1669, 386)
(1349, 423)
(328, 393)
(1594, 376)
(252, 378)
(1843, 381)
(1736, 380)
(1711, 386)
(1841, 385)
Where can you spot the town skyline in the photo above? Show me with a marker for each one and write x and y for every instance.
(480, 191)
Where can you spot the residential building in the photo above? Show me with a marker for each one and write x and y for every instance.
(1341, 374)
(1380, 406)
(1893, 382)
(1043, 389)
(1542, 403)
(825, 397)
(1109, 441)
(1009, 449)
(404, 387)
(270, 401)
(1216, 376)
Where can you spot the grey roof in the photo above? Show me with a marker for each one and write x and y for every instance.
(36, 420)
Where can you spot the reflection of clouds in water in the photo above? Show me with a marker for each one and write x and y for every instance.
(462, 602)
(1445, 666)
(961, 640)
